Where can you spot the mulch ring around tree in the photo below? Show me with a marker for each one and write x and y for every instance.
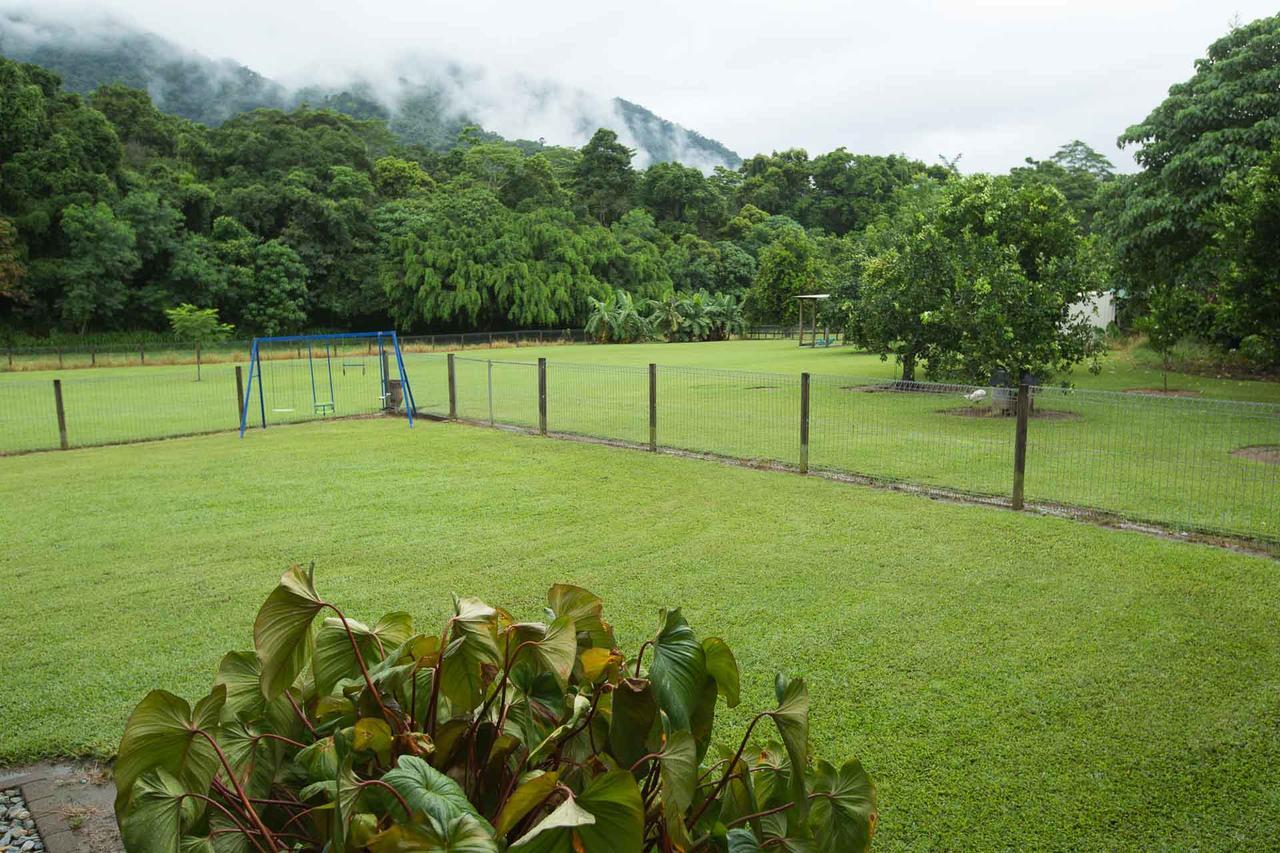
(1160, 392)
(1265, 453)
(988, 412)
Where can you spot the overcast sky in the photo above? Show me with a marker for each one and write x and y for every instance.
(993, 80)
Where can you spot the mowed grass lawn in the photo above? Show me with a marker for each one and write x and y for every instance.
(1012, 681)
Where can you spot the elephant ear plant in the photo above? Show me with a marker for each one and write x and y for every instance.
(491, 735)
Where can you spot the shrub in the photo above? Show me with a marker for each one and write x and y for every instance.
(493, 733)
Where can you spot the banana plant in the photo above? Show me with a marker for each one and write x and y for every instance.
(487, 733)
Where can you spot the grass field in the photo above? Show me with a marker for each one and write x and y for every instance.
(1162, 460)
(1013, 682)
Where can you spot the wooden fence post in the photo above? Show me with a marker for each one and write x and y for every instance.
(239, 392)
(62, 414)
(142, 354)
(93, 356)
(653, 407)
(542, 396)
(10, 358)
(453, 390)
(804, 423)
(197, 361)
(1022, 408)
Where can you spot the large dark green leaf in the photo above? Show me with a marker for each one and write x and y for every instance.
(843, 815)
(554, 647)
(723, 667)
(158, 811)
(473, 647)
(678, 670)
(614, 799)
(164, 731)
(241, 673)
(428, 791)
(334, 658)
(462, 834)
(677, 777)
(634, 712)
(792, 719)
(742, 841)
(531, 791)
(282, 632)
(608, 817)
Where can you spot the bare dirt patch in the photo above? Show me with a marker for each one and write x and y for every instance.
(1160, 392)
(993, 413)
(762, 387)
(1266, 453)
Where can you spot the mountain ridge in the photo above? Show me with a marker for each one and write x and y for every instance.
(424, 100)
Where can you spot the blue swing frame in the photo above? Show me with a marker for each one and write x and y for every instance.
(255, 370)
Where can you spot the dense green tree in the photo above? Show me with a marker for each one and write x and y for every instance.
(12, 266)
(1246, 253)
(1212, 128)
(680, 194)
(1078, 172)
(979, 279)
(789, 266)
(604, 181)
(93, 279)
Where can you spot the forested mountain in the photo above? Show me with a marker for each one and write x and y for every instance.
(426, 102)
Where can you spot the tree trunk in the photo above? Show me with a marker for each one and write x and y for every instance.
(909, 367)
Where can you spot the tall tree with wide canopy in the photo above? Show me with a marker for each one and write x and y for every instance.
(1214, 126)
(604, 181)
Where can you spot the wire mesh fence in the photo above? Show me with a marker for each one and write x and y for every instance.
(70, 356)
(1193, 464)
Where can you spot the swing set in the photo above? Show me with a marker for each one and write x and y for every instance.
(292, 372)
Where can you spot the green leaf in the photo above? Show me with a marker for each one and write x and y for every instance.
(678, 669)
(677, 777)
(843, 815)
(608, 817)
(634, 711)
(241, 673)
(282, 630)
(742, 841)
(723, 667)
(463, 834)
(371, 734)
(163, 731)
(529, 794)
(792, 719)
(472, 649)
(428, 791)
(157, 813)
(554, 647)
(584, 608)
(555, 832)
(614, 799)
(333, 658)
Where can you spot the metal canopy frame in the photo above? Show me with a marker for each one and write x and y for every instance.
(383, 339)
(815, 298)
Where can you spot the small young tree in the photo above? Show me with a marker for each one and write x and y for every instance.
(198, 325)
(1169, 310)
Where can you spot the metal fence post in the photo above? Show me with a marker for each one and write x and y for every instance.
(453, 390)
(542, 396)
(653, 407)
(490, 392)
(62, 414)
(1022, 408)
(239, 392)
(804, 423)
(387, 405)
